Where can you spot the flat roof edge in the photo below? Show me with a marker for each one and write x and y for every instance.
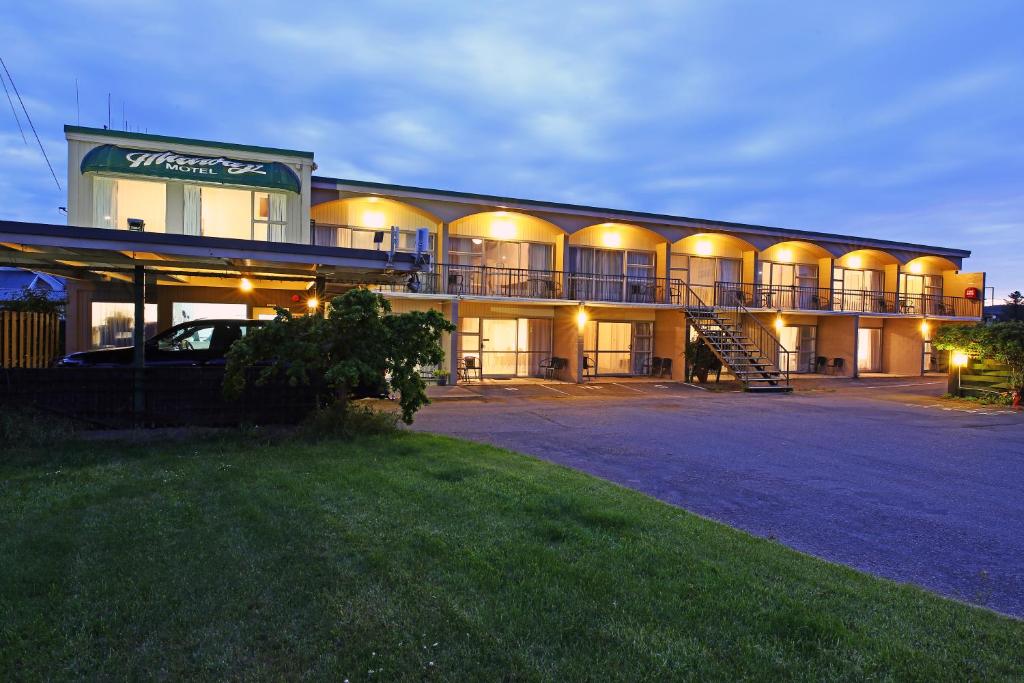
(656, 217)
(169, 139)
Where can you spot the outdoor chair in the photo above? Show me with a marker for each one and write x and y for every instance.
(820, 364)
(470, 368)
(907, 306)
(666, 368)
(552, 366)
(651, 367)
(838, 365)
(455, 283)
(588, 368)
(883, 306)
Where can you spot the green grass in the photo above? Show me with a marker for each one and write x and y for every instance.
(414, 557)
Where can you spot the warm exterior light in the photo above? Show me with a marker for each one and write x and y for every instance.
(503, 229)
(477, 240)
(312, 303)
(373, 199)
(959, 359)
(245, 285)
(778, 323)
(915, 268)
(581, 318)
(854, 262)
(373, 219)
(785, 255)
(612, 239)
(925, 327)
(704, 248)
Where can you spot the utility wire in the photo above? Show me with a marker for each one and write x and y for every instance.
(30, 124)
(14, 111)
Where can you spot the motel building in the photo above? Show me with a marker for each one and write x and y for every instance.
(183, 229)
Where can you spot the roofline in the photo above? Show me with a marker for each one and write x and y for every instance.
(171, 140)
(683, 221)
(50, 234)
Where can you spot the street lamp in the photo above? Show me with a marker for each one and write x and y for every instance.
(959, 360)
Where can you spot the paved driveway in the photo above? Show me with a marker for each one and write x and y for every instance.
(881, 479)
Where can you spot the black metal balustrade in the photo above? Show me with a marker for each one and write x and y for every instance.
(794, 297)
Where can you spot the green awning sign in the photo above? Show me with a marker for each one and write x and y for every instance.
(188, 167)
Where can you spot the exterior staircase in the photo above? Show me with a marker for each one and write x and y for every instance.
(742, 342)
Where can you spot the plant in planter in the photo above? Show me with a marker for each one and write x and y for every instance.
(702, 361)
(442, 377)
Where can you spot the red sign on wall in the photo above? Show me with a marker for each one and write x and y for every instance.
(971, 293)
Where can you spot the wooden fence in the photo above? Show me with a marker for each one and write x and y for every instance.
(28, 340)
(980, 377)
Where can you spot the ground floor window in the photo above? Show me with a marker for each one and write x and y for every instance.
(800, 342)
(113, 324)
(618, 348)
(506, 347)
(869, 350)
(183, 311)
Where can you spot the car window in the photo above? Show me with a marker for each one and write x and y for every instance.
(192, 338)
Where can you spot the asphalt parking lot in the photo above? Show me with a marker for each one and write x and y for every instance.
(878, 475)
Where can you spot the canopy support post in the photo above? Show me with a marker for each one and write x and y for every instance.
(139, 345)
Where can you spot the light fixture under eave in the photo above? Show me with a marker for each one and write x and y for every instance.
(581, 318)
(503, 229)
(704, 248)
(915, 268)
(245, 285)
(854, 262)
(373, 219)
(612, 238)
(785, 255)
(477, 240)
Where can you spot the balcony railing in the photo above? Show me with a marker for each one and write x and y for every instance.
(527, 283)
(786, 297)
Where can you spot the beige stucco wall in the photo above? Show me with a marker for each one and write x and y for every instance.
(670, 339)
(902, 346)
(837, 338)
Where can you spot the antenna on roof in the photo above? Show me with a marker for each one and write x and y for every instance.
(108, 112)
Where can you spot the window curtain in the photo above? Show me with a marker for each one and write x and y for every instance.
(278, 217)
(104, 202)
(193, 221)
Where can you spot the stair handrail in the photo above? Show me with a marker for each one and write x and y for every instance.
(742, 310)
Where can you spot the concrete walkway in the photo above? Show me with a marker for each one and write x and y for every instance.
(879, 475)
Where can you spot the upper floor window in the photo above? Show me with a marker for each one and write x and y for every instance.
(116, 200)
(214, 211)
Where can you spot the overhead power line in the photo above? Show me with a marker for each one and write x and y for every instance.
(14, 112)
(30, 124)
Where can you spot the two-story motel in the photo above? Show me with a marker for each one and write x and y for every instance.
(225, 230)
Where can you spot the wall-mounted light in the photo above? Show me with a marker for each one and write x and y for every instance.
(925, 327)
(854, 262)
(245, 285)
(915, 268)
(503, 229)
(477, 240)
(312, 303)
(785, 255)
(581, 318)
(373, 199)
(704, 248)
(611, 238)
(779, 324)
(373, 219)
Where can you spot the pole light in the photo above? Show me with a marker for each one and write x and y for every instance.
(959, 360)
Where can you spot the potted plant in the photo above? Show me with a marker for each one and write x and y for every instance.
(442, 377)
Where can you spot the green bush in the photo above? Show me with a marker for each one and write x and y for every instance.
(28, 427)
(347, 421)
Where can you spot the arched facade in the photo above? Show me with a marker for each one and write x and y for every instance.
(353, 222)
(505, 239)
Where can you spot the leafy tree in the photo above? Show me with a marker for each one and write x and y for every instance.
(1003, 342)
(33, 301)
(359, 344)
(1014, 306)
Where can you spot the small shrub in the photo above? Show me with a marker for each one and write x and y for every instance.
(348, 421)
(27, 427)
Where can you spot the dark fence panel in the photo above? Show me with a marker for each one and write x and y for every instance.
(103, 397)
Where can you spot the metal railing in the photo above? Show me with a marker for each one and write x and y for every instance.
(793, 297)
(527, 283)
(740, 318)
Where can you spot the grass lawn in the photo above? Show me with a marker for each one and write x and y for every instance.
(415, 557)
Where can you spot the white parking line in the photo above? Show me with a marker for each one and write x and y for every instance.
(563, 393)
(630, 388)
(892, 386)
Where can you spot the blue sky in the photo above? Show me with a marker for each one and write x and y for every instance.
(896, 120)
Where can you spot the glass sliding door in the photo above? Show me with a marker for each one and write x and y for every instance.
(800, 342)
(858, 290)
(869, 350)
(506, 347)
(618, 348)
(500, 267)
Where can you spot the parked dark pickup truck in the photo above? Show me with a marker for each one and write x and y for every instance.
(197, 342)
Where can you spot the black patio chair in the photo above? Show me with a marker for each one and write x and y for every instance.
(820, 364)
(470, 367)
(666, 367)
(838, 366)
(651, 367)
(456, 284)
(588, 368)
